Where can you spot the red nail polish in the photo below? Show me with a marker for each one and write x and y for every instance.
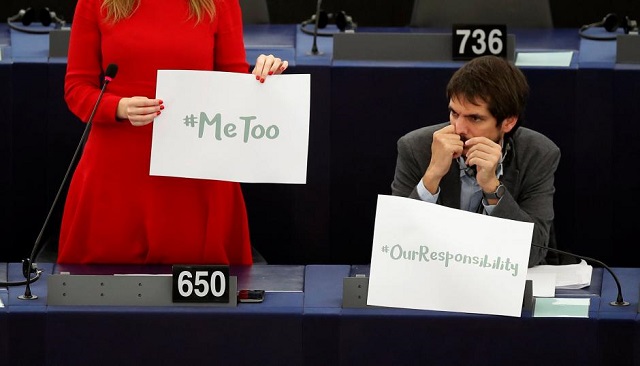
(161, 107)
(270, 72)
(158, 113)
(257, 77)
(262, 80)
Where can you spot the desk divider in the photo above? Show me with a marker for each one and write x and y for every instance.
(124, 290)
(378, 46)
(628, 49)
(59, 42)
(355, 291)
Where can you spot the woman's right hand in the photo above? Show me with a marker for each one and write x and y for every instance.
(140, 111)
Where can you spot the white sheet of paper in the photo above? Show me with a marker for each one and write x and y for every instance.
(568, 276)
(559, 59)
(432, 257)
(228, 126)
(544, 283)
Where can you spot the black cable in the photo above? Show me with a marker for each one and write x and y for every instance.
(583, 33)
(23, 282)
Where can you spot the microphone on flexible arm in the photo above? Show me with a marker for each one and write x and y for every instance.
(27, 264)
(619, 300)
(314, 48)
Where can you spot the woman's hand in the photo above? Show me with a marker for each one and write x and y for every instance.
(268, 65)
(139, 111)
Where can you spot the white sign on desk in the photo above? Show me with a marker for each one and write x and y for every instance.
(432, 257)
(228, 126)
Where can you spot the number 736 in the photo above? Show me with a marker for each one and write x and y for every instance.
(493, 41)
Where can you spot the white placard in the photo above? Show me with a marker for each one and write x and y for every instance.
(432, 257)
(547, 59)
(228, 126)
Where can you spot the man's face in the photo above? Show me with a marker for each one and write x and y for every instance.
(470, 120)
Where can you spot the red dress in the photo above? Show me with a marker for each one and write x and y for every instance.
(115, 211)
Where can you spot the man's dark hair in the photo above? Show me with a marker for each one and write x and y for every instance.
(495, 81)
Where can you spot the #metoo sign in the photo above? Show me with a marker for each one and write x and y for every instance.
(228, 126)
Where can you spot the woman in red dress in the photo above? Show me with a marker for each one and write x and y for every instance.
(115, 211)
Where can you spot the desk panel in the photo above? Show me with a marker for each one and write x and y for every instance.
(404, 338)
(624, 152)
(552, 90)
(606, 103)
(129, 336)
(29, 136)
(322, 309)
(618, 326)
(26, 322)
(6, 158)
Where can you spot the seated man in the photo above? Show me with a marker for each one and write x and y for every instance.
(482, 160)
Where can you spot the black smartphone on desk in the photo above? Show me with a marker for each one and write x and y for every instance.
(251, 296)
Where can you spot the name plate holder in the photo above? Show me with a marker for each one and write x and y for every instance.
(628, 49)
(379, 46)
(59, 42)
(122, 290)
(355, 291)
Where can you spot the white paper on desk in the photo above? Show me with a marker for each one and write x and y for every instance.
(568, 276)
(432, 257)
(559, 59)
(228, 126)
(544, 283)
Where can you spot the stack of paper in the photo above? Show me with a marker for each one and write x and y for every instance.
(547, 278)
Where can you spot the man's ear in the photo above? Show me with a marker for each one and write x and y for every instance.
(508, 124)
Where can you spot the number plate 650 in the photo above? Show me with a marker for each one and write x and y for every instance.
(201, 283)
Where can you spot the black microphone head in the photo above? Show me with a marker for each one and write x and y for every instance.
(610, 22)
(111, 72)
(470, 171)
(28, 16)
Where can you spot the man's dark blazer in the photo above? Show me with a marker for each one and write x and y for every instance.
(528, 174)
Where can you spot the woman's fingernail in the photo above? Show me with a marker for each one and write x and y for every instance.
(257, 77)
(262, 80)
(161, 107)
(270, 72)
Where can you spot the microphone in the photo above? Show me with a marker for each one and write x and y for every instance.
(27, 264)
(619, 300)
(314, 48)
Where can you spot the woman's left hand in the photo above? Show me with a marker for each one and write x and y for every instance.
(268, 65)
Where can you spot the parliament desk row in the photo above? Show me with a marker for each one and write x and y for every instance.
(302, 322)
(358, 111)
